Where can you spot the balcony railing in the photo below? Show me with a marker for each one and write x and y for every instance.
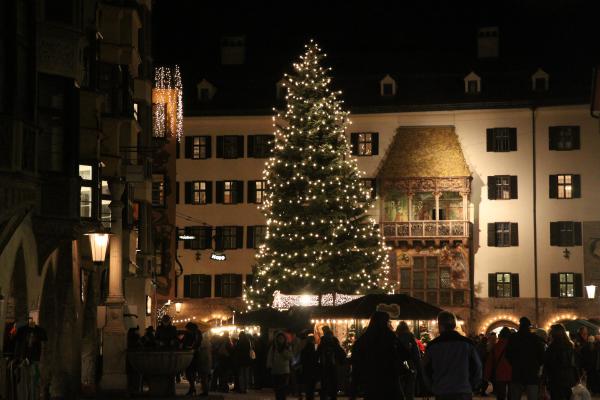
(426, 229)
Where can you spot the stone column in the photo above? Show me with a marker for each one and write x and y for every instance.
(114, 376)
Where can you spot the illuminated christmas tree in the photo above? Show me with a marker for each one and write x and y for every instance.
(319, 238)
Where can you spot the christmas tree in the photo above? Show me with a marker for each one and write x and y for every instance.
(320, 239)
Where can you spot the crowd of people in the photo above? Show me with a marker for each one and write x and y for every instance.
(386, 364)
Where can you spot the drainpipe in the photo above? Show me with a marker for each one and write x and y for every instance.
(535, 237)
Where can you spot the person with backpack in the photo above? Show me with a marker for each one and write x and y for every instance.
(560, 364)
(331, 355)
(497, 369)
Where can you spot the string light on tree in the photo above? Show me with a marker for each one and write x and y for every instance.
(320, 239)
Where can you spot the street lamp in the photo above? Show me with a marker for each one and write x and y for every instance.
(591, 291)
(98, 245)
(178, 305)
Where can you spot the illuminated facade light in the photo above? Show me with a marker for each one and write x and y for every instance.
(218, 256)
(591, 291)
(167, 103)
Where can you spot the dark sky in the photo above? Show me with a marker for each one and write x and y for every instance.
(188, 31)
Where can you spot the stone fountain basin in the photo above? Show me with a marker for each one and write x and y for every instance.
(159, 367)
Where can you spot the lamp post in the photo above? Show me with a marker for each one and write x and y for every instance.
(591, 291)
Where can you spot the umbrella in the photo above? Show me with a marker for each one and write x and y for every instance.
(362, 308)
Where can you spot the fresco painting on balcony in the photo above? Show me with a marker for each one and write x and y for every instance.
(451, 206)
(396, 206)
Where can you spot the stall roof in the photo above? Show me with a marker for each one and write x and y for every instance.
(362, 308)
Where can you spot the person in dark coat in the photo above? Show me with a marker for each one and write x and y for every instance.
(589, 361)
(242, 361)
(497, 369)
(166, 333)
(192, 340)
(560, 366)
(375, 359)
(525, 354)
(309, 362)
(451, 363)
(331, 356)
(408, 344)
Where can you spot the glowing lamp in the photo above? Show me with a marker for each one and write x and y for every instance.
(218, 256)
(98, 244)
(591, 291)
(178, 304)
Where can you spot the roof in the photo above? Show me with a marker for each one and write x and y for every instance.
(424, 151)
(364, 307)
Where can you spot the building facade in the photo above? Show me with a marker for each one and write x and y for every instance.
(485, 196)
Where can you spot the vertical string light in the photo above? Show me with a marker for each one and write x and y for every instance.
(167, 102)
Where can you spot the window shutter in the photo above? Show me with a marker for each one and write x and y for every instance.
(374, 143)
(189, 143)
(187, 244)
(554, 285)
(489, 139)
(576, 186)
(578, 284)
(240, 146)
(209, 191)
(251, 191)
(186, 286)
(553, 185)
(514, 188)
(512, 139)
(492, 285)
(239, 192)
(251, 146)
(491, 241)
(514, 283)
(176, 192)
(218, 238)
(220, 192)
(354, 142)
(208, 232)
(491, 183)
(219, 146)
(205, 286)
(514, 234)
(218, 285)
(208, 146)
(237, 288)
(554, 233)
(188, 192)
(239, 237)
(577, 233)
(576, 139)
(552, 135)
(250, 237)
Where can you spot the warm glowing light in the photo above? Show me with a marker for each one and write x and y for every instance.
(178, 305)
(98, 245)
(591, 291)
(167, 103)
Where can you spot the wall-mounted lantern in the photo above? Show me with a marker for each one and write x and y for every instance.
(591, 291)
(98, 245)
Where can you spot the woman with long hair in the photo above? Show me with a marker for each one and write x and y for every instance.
(278, 361)
(560, 364)
(497, 368)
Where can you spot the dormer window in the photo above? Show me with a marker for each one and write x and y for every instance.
(540, 81)
(280, 90)
(388, 86)
(472, 83)
(206, 91)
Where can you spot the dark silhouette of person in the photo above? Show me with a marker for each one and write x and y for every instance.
(331, 356)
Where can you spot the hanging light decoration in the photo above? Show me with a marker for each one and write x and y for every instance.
(167, 103)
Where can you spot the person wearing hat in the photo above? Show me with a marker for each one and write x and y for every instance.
(525, 354)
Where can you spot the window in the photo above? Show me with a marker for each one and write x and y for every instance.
(229, 238)
(501, 139)
(202, 237)
(260, 146)
(198, 192)
(472, 86)
(105, 213)
(502, 187)
(503, 284)
(365, 143)
(197, 286)
(198, 147)
(566, 284)
(503, 234)
(228, 285)
(230, 146)
(405, 278)
(256, 236)
(564, 138)
(370, 184)
(256, 191)
(445, 278)
(158, 190)
(86, 193)
(388, 89)
(565, 186)
(565, 233)
(429, 281)
(230, 192)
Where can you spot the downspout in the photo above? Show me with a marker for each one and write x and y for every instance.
(535, 237)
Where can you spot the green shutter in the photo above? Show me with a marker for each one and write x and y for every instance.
(239, 192)
(239, 237)
(240, 146)
(514, 285)
(491, 233)
(577, 240)
(514, 234)
(354, 142)
(576, 186)
(208, 146)
(218, 285)
(220, 192)
(251, 146)
(514, 187)
(209, 191)
(492, 285)
(512, 139)
(251, 191)
(553, 185)
(189, 143)
(219, 146)
(489, 140)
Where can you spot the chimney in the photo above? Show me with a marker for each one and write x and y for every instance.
(233, 50)
(487, 42)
